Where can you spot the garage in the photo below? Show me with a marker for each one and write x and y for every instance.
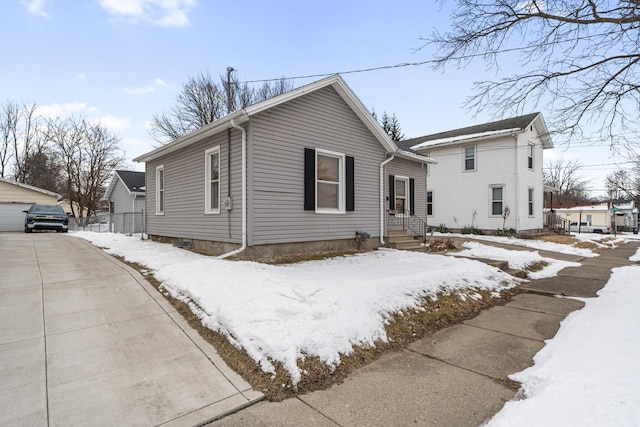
(12, 217)
(16, 197)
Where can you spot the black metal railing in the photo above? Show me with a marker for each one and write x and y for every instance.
(556, 223)
(408, 222)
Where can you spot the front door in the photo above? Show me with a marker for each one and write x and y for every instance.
(402, 194)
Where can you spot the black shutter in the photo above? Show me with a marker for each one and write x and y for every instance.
(350, 185)
(412, 199)
(392, 192)
(309, 179)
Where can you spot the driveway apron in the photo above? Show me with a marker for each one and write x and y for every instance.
(85, 340)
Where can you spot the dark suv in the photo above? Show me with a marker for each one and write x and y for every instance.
(46, 217)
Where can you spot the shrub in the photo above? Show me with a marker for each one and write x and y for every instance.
(470, 229)
(442, 228)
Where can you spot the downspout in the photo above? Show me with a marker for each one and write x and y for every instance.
(517, 187)
(382, 197)
(244, 193)
(133, 209)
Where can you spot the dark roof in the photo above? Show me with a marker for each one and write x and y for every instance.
(133, 180)
(519, 122)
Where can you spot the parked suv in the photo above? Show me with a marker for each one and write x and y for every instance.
(46, 217)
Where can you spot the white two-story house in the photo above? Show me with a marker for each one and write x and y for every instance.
(484, 169)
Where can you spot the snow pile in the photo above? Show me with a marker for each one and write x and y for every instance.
(588, 374)
(317, 308)
(516, 259)
(635, 257)
(526, 243)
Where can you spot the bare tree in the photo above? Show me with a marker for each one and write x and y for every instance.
(88, 154)
(579, 56)
(202, 100)
(9, 115)
(623, 184)
(564, 176)
(27, 140)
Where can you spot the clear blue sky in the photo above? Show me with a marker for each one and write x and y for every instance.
(122, 61)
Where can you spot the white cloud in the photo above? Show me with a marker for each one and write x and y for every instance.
(139, 90)
(112, 122)
(52, 111)
(164, 13)
(161, 82)
(36, 7)
(80, 109)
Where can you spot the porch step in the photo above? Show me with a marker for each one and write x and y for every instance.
(400, 239)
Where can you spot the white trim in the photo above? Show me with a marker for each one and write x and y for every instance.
(531, 201)
(160, 211)
(207, 180)
(475, 158)
(531, 149)
(341, 181)
(407, 192)
(433, 208)
(491, 187)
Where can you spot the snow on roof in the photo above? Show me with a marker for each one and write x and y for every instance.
(459, 138)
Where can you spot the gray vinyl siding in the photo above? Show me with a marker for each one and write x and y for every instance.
(123, 201)
(184, 172)
(279, 136)
(413, 170)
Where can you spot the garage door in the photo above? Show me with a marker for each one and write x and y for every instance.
(12, 217)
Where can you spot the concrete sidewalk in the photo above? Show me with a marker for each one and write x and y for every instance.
(85, 340)
(458, 376)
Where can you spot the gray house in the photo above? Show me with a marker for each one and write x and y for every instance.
(306, 171)
(126, 197)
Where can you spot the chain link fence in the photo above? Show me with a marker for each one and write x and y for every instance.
(124, 222)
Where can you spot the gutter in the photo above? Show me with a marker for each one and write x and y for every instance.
(382, 197)
(244, 193)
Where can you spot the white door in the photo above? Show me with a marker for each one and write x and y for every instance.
(12, 217)
(402, 195)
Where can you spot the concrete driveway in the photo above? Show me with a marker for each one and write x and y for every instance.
(85, 340)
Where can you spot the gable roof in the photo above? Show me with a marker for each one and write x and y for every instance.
(32, 188)
(484, 131)
(242, 116)
(131, 180)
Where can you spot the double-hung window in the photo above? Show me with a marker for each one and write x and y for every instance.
(530, 201)
(430, 203)
(212, 180)
(530, 156)
(329, 185)
(470, 158)
(497, 199)
(160, 190)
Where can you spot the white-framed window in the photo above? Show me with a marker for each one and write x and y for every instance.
(589, 219)
(330, 181)
(531, 194)
(469, 158)
(160, 196)
(429, 202)
(497, 199)
(530, 151)
(212, 180)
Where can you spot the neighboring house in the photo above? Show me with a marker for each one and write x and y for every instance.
(624, 213)
(126, 197)
(298, 173)
(595, 213)
(16, 197)
(484, 169)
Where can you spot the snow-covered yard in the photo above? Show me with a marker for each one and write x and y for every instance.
(588, 374)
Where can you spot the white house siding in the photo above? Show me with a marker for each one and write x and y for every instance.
(278, 138)
(123, 201)
(458, 194)
(184, 215)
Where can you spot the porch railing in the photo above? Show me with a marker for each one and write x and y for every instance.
(556, 223)
(409, 222)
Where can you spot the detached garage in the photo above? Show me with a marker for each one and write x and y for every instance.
(16, 197)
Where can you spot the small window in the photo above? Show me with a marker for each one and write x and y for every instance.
(160, 190)
(429, 203)
(212, 180)
(470, 158)
(589, 220)
(497, 200)
(531, 202)
(329, 181)
(530, 156)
